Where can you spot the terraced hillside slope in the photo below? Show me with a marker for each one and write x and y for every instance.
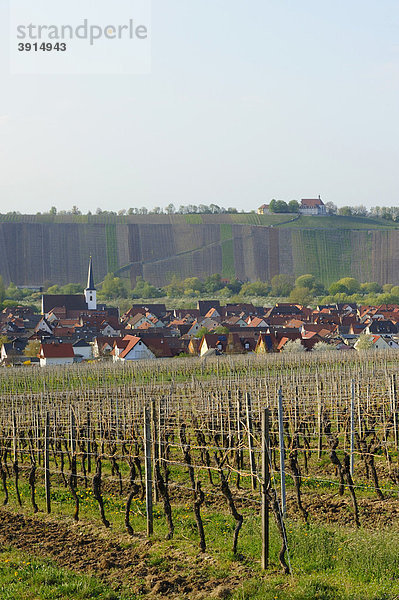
(35, 249)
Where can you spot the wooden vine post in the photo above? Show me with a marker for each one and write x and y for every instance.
(250, 440)
(47, 462)
(282, 452)
(352, 432)
(148, 470)
(265, 486)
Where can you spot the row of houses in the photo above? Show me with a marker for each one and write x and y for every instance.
(153, 332)
(74, 328)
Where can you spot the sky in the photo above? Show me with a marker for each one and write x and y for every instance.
(245, 102)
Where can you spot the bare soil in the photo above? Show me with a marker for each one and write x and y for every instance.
(80, 548)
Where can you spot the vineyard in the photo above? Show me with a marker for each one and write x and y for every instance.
(204, 453)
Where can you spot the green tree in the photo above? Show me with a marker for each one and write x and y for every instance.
(144, 289)
(234, 286)
(3, 340)
(54, 289)
(282, 285)
(279, 206)
(387, 287)
(201, 332)
(351, 284)
(213, 283)
(257, 288)
(221, 330)
(337, 288)
(365, 342)
(175, 288)
(345, 211)
(193, 283)
(301, 295)
(113, 287)
(32, 348)
(293, 206)
(72, 288)
(371, 288)
(2, 290)
(13, 292)
(306, 281)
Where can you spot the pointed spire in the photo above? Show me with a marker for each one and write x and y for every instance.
(90, 278)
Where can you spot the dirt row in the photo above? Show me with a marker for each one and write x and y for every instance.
(80, 548)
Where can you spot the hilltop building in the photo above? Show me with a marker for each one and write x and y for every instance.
(312, 206)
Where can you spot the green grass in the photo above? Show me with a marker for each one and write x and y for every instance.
(112, 248)
(338, 222)
(24, 577)
(328, 562)
(193, 219)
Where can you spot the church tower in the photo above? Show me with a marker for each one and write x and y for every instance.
(90, 291)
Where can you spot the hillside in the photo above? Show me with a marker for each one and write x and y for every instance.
(35, 249)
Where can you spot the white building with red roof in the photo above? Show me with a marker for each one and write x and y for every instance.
(312, 206)
(56, 354)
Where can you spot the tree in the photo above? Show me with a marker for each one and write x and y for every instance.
(13, 292)
(337, 288)
(201, 332)
(257, 288)
(371, 288)
(3, 340)
(170, 209)
(365, 342)
(306, 281)
(351, 284)
(113, 287)
(53, 210)
(234, 286)
(293, 346)
(323, 347)
(331, 208)
(72, 288)
(282, 285)
(387, 287)
(293, 206)
(221, 330)
(2, 289)
(279, 206)
(32, 348)
(175, 288)
(193, 284)
(301, 295)
(54, 289)
(213, 283)
(75, 210)
(345, 211)
(144, 289)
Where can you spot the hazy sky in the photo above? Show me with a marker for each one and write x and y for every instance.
(246, 101)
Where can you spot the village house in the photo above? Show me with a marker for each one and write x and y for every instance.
(83, 350)
(131, 347)
(263, 209)
(56, 354)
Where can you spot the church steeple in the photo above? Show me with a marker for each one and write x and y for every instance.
(90, 291)
(90, 278)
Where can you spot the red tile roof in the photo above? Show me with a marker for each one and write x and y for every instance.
(311, 202)
(56, 351)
